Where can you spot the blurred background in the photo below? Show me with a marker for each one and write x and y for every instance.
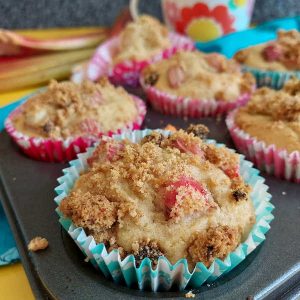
(64, 13)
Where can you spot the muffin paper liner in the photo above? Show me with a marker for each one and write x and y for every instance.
(188, 107)
(270, 159)
(128, 72)
(61, 150)
(273, 79)
(165, 275)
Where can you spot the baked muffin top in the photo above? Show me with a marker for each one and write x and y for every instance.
(273, 116)
(67, 109)
(142, 39)
(175, 196)
(200, 76)
(283, 54)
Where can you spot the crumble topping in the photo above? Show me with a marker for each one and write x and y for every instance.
(68, 109)
(150, 198)
(200, 76)
(142, 39)
(273, 116)
(38, 243)
(281, 105)
(216, 242)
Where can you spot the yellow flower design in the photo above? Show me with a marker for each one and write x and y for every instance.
(204, 29)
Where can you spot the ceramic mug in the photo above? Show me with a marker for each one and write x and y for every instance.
(204, 20)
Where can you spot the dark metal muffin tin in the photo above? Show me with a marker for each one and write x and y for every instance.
(272, 271)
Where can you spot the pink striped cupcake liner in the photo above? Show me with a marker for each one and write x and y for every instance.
(270, 159)
(62, 150)
(188, 107)
(128, 72)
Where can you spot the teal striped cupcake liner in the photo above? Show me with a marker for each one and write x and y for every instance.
(165, 275)
(273, 79)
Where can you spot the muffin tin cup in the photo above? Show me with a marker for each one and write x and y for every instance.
(273, 79)
(270, 159)
(188, 107)
(62, 150)
(166, 275)
(126, 73)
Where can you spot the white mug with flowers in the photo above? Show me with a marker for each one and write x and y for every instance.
(204, 20)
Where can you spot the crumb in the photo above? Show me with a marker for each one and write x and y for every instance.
(14, 178)
(190, 294)
(87, 259)
(217, 242)
(38, 243)
(219, 119)
(170, 127)
(283, 193)
(154, 137)
(198, 130)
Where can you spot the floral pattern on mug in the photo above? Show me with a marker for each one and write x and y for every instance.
(217, 22)
(237, 3)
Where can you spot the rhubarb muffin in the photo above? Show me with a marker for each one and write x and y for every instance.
(142, 39)
(192, 82)
(170, 196)
(274, 62)
(66, 113)
(267, 129)
(140, 43)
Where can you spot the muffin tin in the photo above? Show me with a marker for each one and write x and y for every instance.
(27, 190)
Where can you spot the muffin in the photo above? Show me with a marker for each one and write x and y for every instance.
(267, 129)
(159, 209)
(65, 118)
(142, 39)
(141, 42)
(274, 62)
(193, 83)
(135, 196)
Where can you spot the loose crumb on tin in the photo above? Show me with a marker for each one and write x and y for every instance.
(38, 243)
(190, 294)
(283, 193)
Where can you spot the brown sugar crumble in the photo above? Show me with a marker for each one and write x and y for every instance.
(154, 137)
(38, 243)
(273, 116)
(198, 130)
(216, 242)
